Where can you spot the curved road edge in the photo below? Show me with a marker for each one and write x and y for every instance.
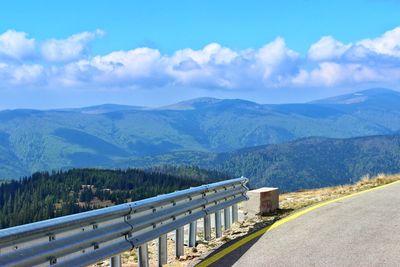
(214, 256)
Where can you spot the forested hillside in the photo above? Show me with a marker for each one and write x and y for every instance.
(313, 162)
(48, 195)
(112, 136)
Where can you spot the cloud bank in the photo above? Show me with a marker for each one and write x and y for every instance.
(68, 63)
(72, 48)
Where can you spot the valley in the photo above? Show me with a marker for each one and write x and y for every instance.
(114, 136)
(293, 146)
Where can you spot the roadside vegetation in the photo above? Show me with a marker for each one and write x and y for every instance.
(303, 198)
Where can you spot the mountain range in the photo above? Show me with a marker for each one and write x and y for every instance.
(190, 132)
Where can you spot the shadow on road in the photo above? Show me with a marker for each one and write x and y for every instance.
(234, 256)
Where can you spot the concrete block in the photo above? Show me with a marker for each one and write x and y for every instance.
(262, 201)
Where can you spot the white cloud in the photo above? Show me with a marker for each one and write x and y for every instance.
(21, 75)
(72, 48)
(327, 48)
(330, 74)
(222, 67)
(275, 59)
(329, 63)
(200, 67)
(139, 67)
(16, 45)
(375, 60)
(387, 44)
(212, 53)
(26, 74)
(213, 66)
(274, 53)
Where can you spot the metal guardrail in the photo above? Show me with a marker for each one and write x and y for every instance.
(89, 237)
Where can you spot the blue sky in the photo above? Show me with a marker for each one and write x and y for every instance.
(76, 53)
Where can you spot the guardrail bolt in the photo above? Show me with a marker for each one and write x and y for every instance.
(192, 234)
(52, 238)
(143, 255)
(162, 250)
(53, 261)
(179, 247)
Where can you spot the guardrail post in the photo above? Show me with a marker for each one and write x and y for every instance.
(227, 218)
(207, 227)
(143, 255)
(192, 233)
(179, 249)
(235, 213)
(218, 229)
(116, 261)
(162, 250)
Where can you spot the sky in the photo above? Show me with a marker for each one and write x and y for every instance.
(56, 54)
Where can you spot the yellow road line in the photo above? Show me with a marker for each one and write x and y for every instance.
(254, 235)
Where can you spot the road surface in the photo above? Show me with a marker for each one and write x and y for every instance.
(362, 230)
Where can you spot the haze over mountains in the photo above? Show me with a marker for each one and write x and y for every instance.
(116, 136)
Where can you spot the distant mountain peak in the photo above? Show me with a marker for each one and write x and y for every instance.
(360, 96)
(191, 104)
(200, 100)
(377, 91)
(105, 108)
(204, 102)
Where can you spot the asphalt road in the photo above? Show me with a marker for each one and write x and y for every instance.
(362, 230)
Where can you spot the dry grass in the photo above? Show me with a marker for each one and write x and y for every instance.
(304, 198)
